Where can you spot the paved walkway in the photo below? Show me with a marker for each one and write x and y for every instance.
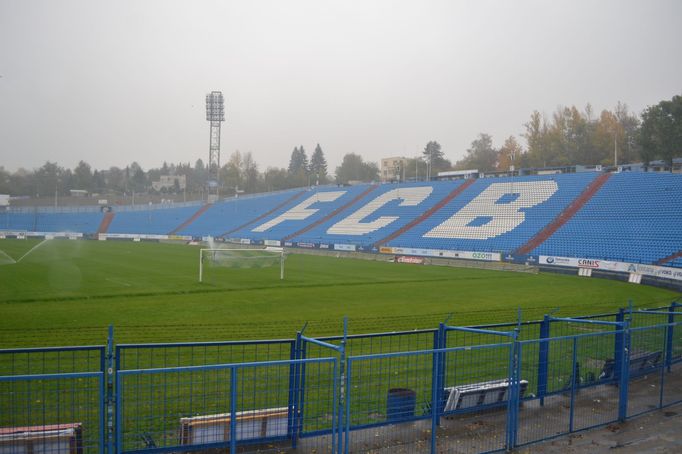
(656, 432)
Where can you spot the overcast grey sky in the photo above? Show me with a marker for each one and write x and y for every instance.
(117, 81)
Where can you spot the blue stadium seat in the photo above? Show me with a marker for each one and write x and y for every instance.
(504, 215)
(384, 211)
(159, 221)
(226, 215)
(634, 217)
(50, 221)
(305, 211)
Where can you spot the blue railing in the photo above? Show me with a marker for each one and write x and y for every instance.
(484, 388)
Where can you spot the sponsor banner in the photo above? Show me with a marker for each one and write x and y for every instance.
(46, 235)
(409, 259)
(276, 243)
(324, 246)
(467, 255)
(13, 232)
(512, 258)
(180, 237)
(489, 256)
(288, 244)
(606, 265)
(655, 271)
(132, 236)
(152, 237)
(244, 241)
(595, 264)
(124, 236)
(386, 250)
(412, 251)
(306, 245)
(344, 247)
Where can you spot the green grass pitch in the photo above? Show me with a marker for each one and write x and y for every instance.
(67, 292)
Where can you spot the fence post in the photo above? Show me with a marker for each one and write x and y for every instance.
(110, 399)
(661, 384)
(233, 410)
(119, 426)
(435, 387)
(438, 373)
(543, 358)
(513, 400)
(298, 389)
(575, 379)
(102, 411)
(669, 337)
(346, 430)
(619, 345)
(625, 371)
(293, 391)
(337, 411)
(343, 389)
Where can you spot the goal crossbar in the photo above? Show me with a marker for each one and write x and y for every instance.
(242, 255)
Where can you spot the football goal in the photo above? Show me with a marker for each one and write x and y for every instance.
(241, 258)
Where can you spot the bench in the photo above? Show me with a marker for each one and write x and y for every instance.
(640, 364)
(474, 395)
(53, 439)
(251, 425)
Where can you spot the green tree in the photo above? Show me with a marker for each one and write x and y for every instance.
(98, 181)
(299, 161)
(435, 158)
(318, 165)
(353, 168)
(199, 176)
(481, 155)
(82, 176)
(509, 155)
(47, 179)
(5, 181)
(138, 179)
(250, 173)
(275, 178)
(536, 140)
(298, 168)
(661, 132)
(231, 176)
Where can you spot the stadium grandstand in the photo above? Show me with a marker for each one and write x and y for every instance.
(568, 219)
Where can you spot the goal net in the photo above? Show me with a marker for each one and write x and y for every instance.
(241, 258)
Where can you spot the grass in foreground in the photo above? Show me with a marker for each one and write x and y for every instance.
(67, 292)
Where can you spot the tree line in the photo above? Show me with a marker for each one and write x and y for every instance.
(567, 137)
(571, 136)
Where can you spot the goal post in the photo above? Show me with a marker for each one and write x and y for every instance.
(241, 258)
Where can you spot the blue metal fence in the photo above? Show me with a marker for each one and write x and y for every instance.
(52, 400)
(225, 405)
(450, 389)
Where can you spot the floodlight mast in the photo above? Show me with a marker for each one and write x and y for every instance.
(215, 113)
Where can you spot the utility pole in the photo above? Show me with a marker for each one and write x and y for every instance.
(615, 149)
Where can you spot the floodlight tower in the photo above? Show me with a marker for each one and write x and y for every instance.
(215, 113)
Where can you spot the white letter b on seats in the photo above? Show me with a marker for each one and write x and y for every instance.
(494, 211)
